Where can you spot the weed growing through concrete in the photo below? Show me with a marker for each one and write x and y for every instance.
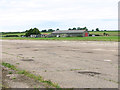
(10, 72)
(9, 66)
(3, 86)
(14, 78)
(21, 72)
(18, 63)
(111, 80)
(28, 74)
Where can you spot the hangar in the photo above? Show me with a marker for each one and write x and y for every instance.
(70, 33)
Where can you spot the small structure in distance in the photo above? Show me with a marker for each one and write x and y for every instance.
(70, 33)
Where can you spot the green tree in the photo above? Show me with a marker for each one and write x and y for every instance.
(74, 28)
(50, 30)
(26, 30)
(69, 29)
(31, 31)
(57, 29)
(78, 28)
(44, 31)
(97, 29)
(85, 28)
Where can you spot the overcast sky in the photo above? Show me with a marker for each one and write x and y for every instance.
(21, 15)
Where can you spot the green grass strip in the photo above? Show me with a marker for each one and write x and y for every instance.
(9, 66)
(30, 75)
(99, 38)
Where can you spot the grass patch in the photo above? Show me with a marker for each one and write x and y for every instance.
(111, 80)
(7, 53)
(97, 38)
(3, 86)
(28, 74)
(14, 78)
(19, 34)
(20, 57)
(9, 66)
(111, 33)
(17, 63)
(21, 72)
(10, 72)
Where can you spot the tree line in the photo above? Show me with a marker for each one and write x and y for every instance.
(78, 28)
(37, 32)
(74, 28)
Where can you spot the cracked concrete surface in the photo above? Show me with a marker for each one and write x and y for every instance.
(62, 61)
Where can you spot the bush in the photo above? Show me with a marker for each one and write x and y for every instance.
(90, 34)
(94, 34)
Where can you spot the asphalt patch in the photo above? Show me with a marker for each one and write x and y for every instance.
(27, 60)
(27, 47)
(90, 73)
(36, 50)
(20, 54)
(87, 52)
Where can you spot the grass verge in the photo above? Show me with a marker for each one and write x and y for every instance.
(99, 38)
(30, 75)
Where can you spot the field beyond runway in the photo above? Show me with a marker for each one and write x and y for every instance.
(71, 64)
(97, 38)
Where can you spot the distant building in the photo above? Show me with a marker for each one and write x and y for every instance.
(35, 36)
(70, 33)
(44, 35)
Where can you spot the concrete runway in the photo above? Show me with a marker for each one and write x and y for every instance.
(71, 64)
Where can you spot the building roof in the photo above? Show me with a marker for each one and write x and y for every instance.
(68, 31)
(45, 34)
